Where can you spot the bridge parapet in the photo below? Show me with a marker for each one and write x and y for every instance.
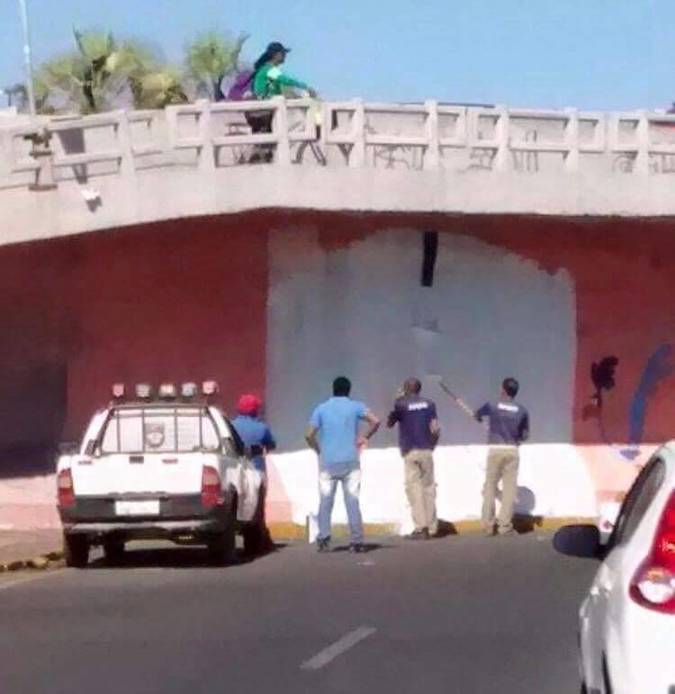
(423, 157)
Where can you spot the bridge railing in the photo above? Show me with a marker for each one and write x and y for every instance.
(428, 136)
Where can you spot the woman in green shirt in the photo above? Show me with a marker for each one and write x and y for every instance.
(269, 81)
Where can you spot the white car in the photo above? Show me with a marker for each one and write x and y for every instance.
(158, 468)
(627, 620)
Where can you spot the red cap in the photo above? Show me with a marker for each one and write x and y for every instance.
(249, 404)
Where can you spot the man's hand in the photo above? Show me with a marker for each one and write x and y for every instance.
(310, 437)
(374, 425)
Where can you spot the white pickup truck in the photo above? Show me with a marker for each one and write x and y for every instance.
(158, 468)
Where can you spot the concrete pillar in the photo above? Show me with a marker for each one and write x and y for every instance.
(432, 155)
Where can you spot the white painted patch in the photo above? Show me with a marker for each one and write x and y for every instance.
(360, 311)
(336, 649)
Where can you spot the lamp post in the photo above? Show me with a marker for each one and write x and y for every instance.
(23, 9)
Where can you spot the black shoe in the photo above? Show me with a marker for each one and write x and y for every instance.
(323, 544)
(357, 548)
(419, 535)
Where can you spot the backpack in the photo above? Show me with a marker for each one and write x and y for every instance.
(242, 89)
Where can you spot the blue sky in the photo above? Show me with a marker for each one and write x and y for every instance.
(604, 54)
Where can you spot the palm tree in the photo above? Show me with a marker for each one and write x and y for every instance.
(210, 59)
(102, 74)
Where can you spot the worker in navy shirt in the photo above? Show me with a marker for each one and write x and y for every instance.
(509, 426)
(258, 439)
(418, 432)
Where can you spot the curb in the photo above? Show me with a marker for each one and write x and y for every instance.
(522, 524)
(41, 562)
(294, 531)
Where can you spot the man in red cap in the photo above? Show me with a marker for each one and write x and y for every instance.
(257, 438)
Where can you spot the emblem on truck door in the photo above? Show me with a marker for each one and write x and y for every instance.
(154, 435)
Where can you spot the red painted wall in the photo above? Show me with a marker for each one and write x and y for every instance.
(187, 300)
(181, 301)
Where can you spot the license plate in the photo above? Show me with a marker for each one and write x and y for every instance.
(137, 508)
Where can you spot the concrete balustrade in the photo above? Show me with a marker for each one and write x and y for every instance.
(200, 158)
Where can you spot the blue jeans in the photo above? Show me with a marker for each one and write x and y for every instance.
(350, 477)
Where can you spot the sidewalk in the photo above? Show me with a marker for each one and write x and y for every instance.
(29, 548)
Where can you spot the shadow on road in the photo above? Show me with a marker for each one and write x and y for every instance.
(367, 547)
(193, 557)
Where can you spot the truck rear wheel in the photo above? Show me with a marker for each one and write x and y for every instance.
(76, 550)
(113, 551)
(221, 547)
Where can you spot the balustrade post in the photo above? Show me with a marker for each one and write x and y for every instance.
(283, 153)
(642, 136)
(572, 140)
(127, 163)
(357, 155)
(432, 155)
(502, 138)
(207, 154)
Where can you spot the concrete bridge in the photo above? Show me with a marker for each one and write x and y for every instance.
(126, 168)
(379, 241)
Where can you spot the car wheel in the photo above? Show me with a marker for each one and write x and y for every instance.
(76, 550)
(113, 551)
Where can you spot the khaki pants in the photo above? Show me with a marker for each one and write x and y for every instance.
(502, 464)
(420, 487)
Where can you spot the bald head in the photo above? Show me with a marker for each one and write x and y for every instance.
(412, 386)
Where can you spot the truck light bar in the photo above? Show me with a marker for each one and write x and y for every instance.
(188, 390)
(209, 387)
(167, 391)
(143, 391)
(118, 391)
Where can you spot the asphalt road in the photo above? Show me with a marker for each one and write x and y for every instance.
(466, 615)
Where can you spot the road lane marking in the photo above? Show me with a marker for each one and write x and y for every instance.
(31, 579)
(322, 658)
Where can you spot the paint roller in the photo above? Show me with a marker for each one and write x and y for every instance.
(435, 378)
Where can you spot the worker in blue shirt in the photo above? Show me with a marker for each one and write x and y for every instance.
(255, 433)
(258, 439)
(334, 434)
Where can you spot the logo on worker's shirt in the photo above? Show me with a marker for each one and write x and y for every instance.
(507, 408)
(415, 406)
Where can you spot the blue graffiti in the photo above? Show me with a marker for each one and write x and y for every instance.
(658, 367)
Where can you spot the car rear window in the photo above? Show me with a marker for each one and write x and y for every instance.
(159, 430)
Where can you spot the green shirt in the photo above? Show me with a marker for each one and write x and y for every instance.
(270, 81)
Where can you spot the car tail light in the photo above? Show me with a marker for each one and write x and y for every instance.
(653, 585)
(65, 489)
(212, 494)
